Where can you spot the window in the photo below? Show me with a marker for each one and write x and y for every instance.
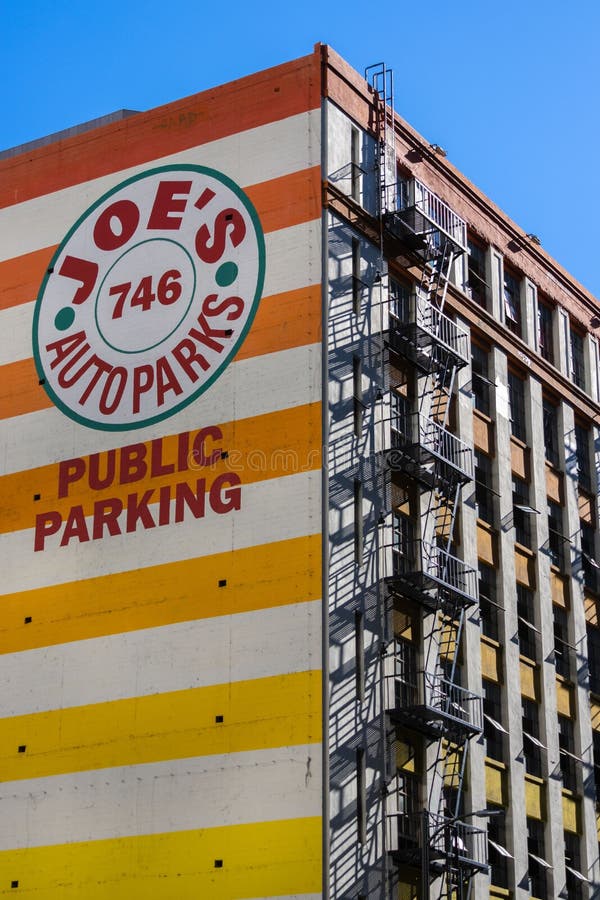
(483, 484)
(480, 382)
(550, 414)
(582, 450)
(409, 820)
(575, 879)
(527, 632)
(588, 554)
(577, 365)
(512, 303)
(537, 859)
(488, 607)
(566, 743)
(493, 729)
(545, 339)
(522, 511)
(596, 746)
(498, 855)
(400, 300)
(403, 544)
(476, 275)
(516, 402)
(532, 746)
(593, 641)
(562, 654)
(556, 541)
(359, 407)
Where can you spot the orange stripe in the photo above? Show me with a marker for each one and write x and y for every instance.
(280, 203)
(282, 322)
(179, 591)
(250, 102)
(21, 277)
(268, 446)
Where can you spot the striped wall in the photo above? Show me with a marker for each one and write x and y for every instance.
(161, 721)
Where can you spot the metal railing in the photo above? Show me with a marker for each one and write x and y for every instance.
(442, 328)
(436, 695)
(437, 564)
(454, 838)
(412, 194)
(432, 438)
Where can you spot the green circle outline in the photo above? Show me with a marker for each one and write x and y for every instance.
(260, 240)
(166, 338)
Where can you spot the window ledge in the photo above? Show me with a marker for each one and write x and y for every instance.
(519, 442)
(526, 551)
(534, 779)
(485, 526)
(528, 661)
(492, 642)
(478, 414)
(492, 763)
(499, 892)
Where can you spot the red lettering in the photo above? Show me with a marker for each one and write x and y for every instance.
(127, 215)
(165, 203)
(45, 525)
(195, 502)
(69, 470)
(183, 446)
(199, 451)
(80, 270)
(186, 355)
(164, 505)
(64, 347)
(137, 510)
(143, 379)
(106, 513)
(75, 527)
(225, 493)
(95, 480)
(236, 302)
(132, 465)
(101, 369)
(229, 220)
(165, 380)
(104, 406)
(157, 466)
(207, 334)
(63, 378)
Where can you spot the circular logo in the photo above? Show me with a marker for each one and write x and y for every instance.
(149, 297)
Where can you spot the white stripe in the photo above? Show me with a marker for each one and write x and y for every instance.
(176, 795)
(249, 157)
(273, 510)
(292, 256)
(248, 388)
(246, 646)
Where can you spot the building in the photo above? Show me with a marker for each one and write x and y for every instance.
(300, 530)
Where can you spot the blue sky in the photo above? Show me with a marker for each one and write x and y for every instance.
(509, 89)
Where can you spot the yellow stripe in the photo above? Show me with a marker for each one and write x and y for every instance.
(257, 578)
(264, 859)
(261, 447)
(280, 711)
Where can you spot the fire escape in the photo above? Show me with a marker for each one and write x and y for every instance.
(422, 685)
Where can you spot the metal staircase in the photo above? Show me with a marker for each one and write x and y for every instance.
(424, 693)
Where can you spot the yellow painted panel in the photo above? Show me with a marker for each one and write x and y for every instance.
(403, 625)
(534, 798)
(263, 859)
(586, 512)
(486, 546)
(559, 589)
(261, 447)
(525, 568)
(491, 661)
(554, 487)
(591, 609)
(519, 460)
(570, 814)
(257, 578)
(564, 699)
(405, 757)
(482, 433)
(529, 681)
(595, 713)
(409, 881)
(495, 784)
(265, 712)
